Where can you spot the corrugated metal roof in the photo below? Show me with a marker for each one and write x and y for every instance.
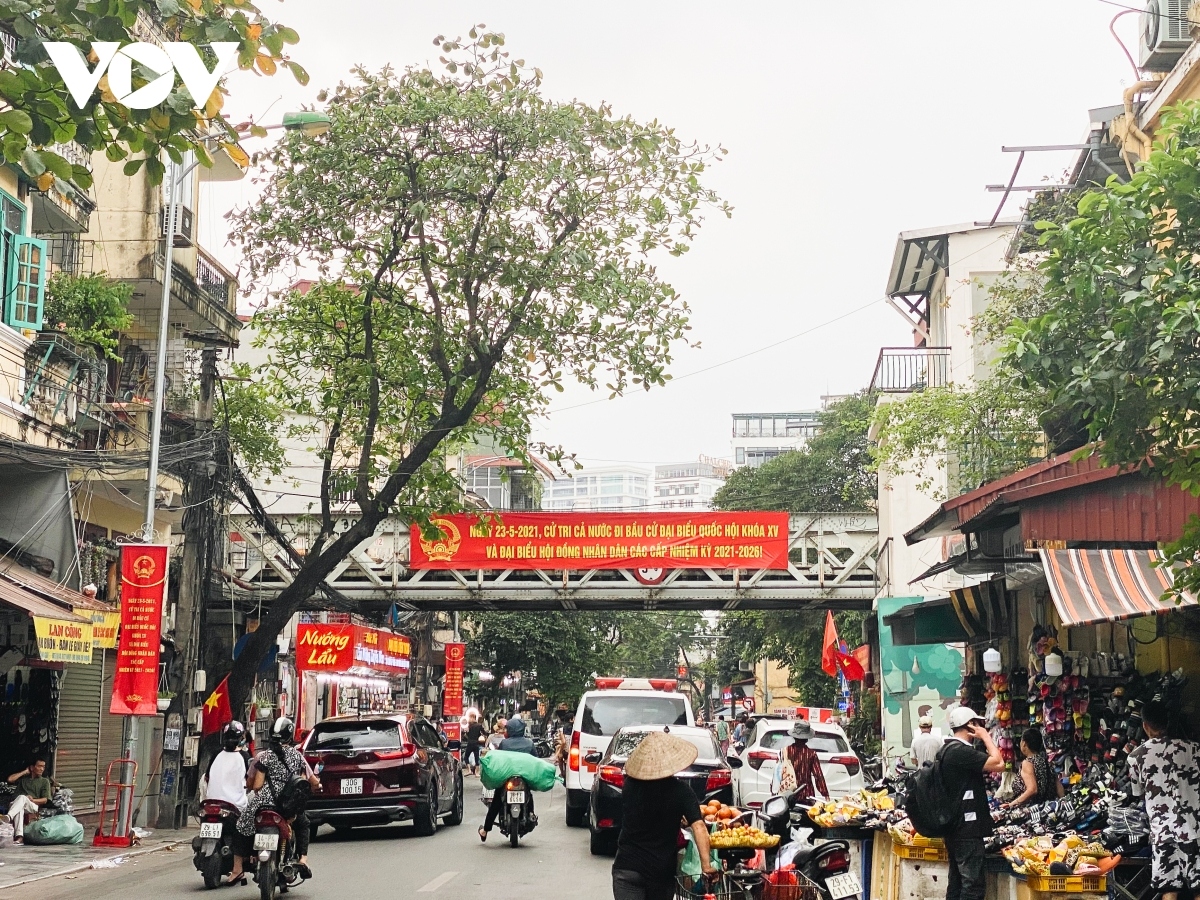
(1065, 499)
(15, 580)
(15, 595)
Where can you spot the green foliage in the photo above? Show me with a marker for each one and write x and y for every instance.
(831, 474)
(41, 112)
(253, 421)
(477, 244)
(557, 653)
(91, 309)
(1118, 350)
(975, 433)
(793, 637)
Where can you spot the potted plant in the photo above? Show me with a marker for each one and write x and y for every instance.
(91, 310)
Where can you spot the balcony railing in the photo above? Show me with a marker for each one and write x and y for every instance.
(216, 282)
(906, 370)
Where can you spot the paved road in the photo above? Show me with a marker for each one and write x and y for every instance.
(552, 863)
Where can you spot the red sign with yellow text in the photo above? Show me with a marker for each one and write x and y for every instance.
(340, 648)
(143, 587)
(452, 689)
(701, 540)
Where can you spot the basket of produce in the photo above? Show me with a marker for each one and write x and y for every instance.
(717, 813)
(919, 853)
(742, 837)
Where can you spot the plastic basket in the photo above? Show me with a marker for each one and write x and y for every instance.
(1068, 884)
(728, 889)
(923, 854)
(922, 841)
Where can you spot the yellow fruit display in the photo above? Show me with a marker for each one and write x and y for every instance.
(742, 837)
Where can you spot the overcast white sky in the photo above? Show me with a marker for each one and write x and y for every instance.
(845, 124)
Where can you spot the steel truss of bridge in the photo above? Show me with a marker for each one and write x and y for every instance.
(832, 564)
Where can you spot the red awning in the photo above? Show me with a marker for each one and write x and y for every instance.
(1107, 585)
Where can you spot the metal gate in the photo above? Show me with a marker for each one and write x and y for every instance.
(76, 761)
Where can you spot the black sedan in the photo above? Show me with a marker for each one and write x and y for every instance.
(710, 777)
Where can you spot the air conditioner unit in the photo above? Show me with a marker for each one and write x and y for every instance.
(745, 667)
(1165, 34)
(184, 225)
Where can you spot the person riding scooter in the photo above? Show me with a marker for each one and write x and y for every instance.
(227, 771)
(268, 774)
(517, 742)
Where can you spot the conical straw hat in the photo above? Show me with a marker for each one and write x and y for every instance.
(660, 755)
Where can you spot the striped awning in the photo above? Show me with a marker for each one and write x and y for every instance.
(982, 609)
(1107, 585)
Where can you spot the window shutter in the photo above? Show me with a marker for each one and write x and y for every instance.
(25, 287)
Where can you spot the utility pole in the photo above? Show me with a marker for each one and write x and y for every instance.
(202, 509)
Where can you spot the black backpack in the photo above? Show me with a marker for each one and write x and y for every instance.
(934, 813)
(293, 796)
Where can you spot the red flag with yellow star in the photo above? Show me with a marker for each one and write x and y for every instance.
(217, 710)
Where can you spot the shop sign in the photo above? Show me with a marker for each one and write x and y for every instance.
(339, 648)
(581, 541)
(105, 627)
(143, 587)
(384, 651)
(324, 648)
(452, 689)
(820, 714)
(59, 640)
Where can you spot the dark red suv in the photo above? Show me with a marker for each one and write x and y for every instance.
(376, 769)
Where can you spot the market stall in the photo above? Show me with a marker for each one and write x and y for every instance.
(346, 669)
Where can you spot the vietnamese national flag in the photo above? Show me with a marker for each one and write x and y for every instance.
(217, 710)
(834, 657)
(830, 647)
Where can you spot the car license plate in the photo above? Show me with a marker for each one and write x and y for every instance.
(266, 842)
(516, 796)
(351, 786)
(843, 886)
(210, 830)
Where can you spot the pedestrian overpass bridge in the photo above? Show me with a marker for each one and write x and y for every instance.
(831, 565)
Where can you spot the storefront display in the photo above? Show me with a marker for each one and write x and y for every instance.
(347, 669)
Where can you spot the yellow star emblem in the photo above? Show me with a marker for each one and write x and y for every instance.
(213, 701)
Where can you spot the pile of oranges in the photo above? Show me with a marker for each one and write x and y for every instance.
(715, 811)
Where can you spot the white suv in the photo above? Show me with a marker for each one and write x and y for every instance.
(768, 738)
(616, 703)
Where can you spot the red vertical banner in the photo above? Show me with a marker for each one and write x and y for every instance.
(143, 587)
(452, 692)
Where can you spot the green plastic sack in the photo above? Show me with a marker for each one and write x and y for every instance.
(500, 765)
(690, 865)
(54, 830)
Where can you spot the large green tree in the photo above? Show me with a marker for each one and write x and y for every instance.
(39, 111)
(478, 243)
(1118, 349)
(832, 473)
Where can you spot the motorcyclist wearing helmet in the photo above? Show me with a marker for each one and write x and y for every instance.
(227, 771)
(268, 774)
(515, 742)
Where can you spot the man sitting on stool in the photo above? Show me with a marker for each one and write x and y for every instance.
(33, 792)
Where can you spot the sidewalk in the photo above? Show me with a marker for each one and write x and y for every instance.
(23, 864)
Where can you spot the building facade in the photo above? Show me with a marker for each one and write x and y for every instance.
(604, 488)
(689, 485)
(760, 437)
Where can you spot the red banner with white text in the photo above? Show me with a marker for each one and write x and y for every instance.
(701, 540)
(452, 690)
(143, 588)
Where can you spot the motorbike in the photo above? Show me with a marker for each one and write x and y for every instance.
(213, 851)
(543, 748)
(516, 818)
(274, 853)
(826, 864)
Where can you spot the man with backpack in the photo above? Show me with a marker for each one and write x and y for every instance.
(962, 769)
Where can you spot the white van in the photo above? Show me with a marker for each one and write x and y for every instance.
(615, 703)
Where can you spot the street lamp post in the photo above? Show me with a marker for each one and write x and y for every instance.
(308, 123)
